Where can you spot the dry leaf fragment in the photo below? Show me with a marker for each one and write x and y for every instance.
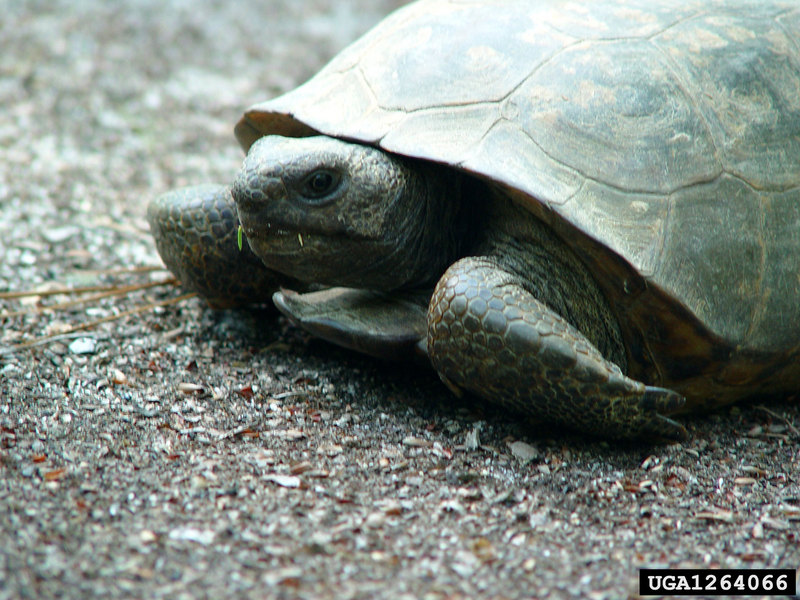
(55, 474)
(330, 449)
(716, 514)
(246, 392)
(484, 550)
(291, 434)
(300, 467)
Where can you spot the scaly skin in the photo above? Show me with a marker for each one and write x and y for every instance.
(490, 336)
(195, 230)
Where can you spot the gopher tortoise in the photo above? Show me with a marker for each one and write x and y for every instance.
(589, 212)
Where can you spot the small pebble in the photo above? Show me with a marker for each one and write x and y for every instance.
(118, 377)
(523, 451)
(204, 537)
(83, 345)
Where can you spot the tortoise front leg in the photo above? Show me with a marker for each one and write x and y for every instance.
(195, 230)
(490, 336)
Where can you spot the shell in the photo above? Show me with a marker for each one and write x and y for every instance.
(660, 138)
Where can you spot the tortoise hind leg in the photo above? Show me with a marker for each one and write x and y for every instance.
(488, 335)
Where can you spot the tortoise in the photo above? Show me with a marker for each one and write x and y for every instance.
(587, 212)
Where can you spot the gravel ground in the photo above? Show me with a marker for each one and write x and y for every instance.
(183, 453)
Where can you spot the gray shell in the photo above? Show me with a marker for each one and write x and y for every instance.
(661, 138)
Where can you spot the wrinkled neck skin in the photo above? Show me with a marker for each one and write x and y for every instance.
(422, 234)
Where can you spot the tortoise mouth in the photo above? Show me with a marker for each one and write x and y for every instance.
(269, 228)
(322, 258)
(288, 247)
(275, 239)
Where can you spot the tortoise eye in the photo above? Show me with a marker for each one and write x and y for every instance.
(320, 183)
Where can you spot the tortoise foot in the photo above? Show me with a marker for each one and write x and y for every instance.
(381, 325)
(488, 335)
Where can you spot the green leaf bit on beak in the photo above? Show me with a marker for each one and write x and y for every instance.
(239, 237)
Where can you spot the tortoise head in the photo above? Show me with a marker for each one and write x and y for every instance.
(336, 213)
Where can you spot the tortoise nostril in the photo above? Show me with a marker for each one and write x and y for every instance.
(252, 190)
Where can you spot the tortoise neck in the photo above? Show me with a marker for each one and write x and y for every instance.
(437, 215)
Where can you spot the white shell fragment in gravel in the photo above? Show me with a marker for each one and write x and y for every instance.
(523, 451)
(287, 481)
(203, 537)
(57, 235)
(83, 345)
(472, 440)
(189, 388)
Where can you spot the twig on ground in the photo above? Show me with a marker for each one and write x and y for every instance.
(98, 292)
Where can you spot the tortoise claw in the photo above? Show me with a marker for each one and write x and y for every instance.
(662, 400)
